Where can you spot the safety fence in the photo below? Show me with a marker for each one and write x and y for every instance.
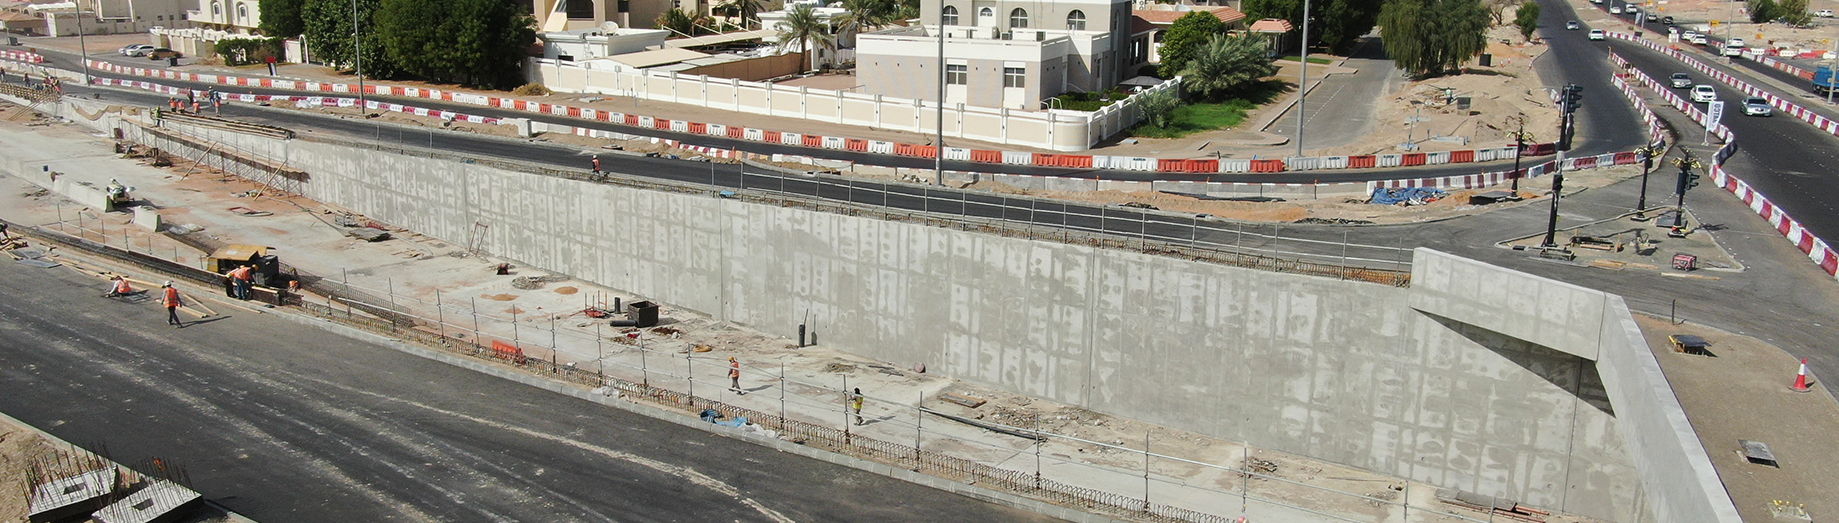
(22, 56)
(1077, 161)
(1815, 248)
(1781, 103)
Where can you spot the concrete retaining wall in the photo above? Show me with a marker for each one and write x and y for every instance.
(1340, 371)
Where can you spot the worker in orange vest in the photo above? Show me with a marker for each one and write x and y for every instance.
(734, 376)
(171, 300)
(175, 104)
(243, 277)
(118, 286)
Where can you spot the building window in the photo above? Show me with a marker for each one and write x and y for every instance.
(578, 8)
(949, 16)
(1076, 20)
(957, 74)
(985, 14)
(242, 12)
(216, 9)
(1015, 77)
(1018, 19)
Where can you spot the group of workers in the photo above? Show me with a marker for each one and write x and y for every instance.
(191, 101)
(169, 297)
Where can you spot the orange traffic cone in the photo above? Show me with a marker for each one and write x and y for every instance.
(1800, 380)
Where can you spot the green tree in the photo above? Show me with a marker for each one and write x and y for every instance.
(1429, 37)
(1527, 19)
(281, 18)
(1158, 106)
(1792, 12)
(1184, 36)
(1343, 22)
(1762, 11)
(747, 10)
(681, 23)
(1226, 64)
(802, 26)
(326, 25)
(862, 15)
(479, 43)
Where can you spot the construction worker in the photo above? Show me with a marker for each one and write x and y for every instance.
(171, 300)
(196, 109)
(242, 277)
(734, 376)
(175, 104)
(855, 404)
(596, 164)
(118, 286)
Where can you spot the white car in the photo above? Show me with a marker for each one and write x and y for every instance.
(1823, 13)
(1632, 10)
(1681, 80)
(1687, 36)
(1699, 39)
(1702, 93)
(1756, 106)
(135, 50)
(1615, 10)
(1734, 42)
(1596, 34)
(1731, 50)
(1596, 1)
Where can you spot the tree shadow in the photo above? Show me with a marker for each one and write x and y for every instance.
(1263, 91)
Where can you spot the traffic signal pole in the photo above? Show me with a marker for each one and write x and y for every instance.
(1568, 98)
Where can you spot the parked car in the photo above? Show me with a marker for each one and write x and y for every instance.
(1681, 81)
(1572, 25)
(1735, 42)
(161, 53)
(1596, 34)
(1687, 36)
(1755, 106)
(1615, 10)
(135, 50)
(1651, 17)
(1703, 93)
(1631, 9)
(1666, 20)
(1824, 13)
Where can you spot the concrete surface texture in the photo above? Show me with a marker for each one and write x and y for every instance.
(1328, 369)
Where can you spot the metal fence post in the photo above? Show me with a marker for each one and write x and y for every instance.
(440, 315)
(919, 428)
(554, 350)
(475, 313)
(1146, 471)
(689, 363)
(394, 316)
(782, 411)
(600, 355)
(516, 339)
(644, 371)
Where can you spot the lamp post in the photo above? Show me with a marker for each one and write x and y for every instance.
(82, 44)
(1520, 137)
(938, 123)
(357, 53)
(1647, 154)
(1302, 81)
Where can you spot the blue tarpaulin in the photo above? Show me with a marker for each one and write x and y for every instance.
(1412, 195)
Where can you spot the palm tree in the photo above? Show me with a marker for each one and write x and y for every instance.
(862, 15)
(747, 10)
(1224, 64)
(802, 25)
(680, 22)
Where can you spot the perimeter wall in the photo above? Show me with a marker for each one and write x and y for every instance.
(1516, 388)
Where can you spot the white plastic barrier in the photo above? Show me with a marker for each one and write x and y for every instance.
(716, 129)
(1390, 160)
(1235, 165)
(835, 142)
(958, 153)
(1137, 164)
(881, 147)
(757, 135)
(791, 139)
(680, 126)
(1334, 162)
(1018, 158)
(1436, 158)
(1302, 163)
(647, 122)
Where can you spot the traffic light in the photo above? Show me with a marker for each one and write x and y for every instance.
(1573, 97)
(1687, 180)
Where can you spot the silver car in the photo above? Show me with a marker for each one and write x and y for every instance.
(1757, 106)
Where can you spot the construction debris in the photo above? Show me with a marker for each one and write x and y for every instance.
(960, 399)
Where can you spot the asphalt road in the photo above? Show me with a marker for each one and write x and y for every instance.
(1346, 101)
(1609, 136)
(283, 423)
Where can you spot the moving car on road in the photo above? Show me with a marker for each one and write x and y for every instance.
(1735, 42)
(1596, 34)
(1651, 17)
(161, 53)
(1755, 106)
(1572, 25)
(1699, 39)
(1732, 50)
(1703, 93)
(1615, 10)
(1666, 20)
(135, 50)
(1681, 81)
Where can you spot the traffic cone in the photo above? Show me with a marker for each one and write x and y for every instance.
(1800, 380)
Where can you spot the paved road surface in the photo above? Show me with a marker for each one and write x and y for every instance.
(283, 422)
(1340, 110)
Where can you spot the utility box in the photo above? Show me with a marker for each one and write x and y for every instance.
(1685, 262)
(233, 256)
(642, 313)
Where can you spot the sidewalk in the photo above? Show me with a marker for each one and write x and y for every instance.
(458, 297)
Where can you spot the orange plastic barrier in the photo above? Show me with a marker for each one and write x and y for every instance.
(737, 132)
(1626, 158)
(982, 156)
(574, 112)
(1538, 149)
(1365, 161)
(1410, 159)
(660, 124)
(1188, 166)
(631, 119)
(1461, 156)
(1267, 166)
(812, 140)
(699, 128)
(855, 144)
(771, 137)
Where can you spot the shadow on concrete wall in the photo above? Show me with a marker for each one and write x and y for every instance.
(1575, 375)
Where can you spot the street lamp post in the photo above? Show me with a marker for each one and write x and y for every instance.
(357, 53)
(1302, 81)
(938, 124)
(1519, 144)
(82, 44)
(1647, 164)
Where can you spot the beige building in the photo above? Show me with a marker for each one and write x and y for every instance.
(569, 15)
(110, 16)
(230, 16)
(1008, 54)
